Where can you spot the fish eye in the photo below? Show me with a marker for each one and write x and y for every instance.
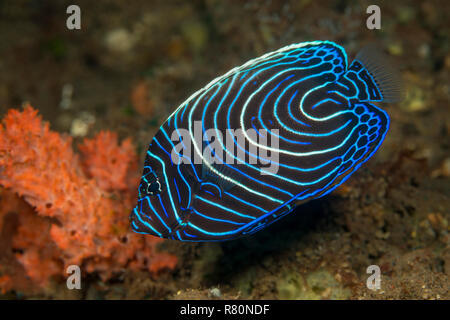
(150, 185)
(154, 188)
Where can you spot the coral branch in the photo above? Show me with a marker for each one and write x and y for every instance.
(88, 199)
(119, 159)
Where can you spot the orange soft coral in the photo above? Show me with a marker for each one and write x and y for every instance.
(117, 158)
(12, 273)
(90, 224)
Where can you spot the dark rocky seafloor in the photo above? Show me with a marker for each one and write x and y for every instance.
(131, 64)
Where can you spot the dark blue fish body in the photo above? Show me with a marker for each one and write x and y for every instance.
(306, 97)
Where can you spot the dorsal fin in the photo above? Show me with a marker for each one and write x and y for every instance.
(387, 78)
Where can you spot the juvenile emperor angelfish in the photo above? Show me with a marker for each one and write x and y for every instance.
(244, 151)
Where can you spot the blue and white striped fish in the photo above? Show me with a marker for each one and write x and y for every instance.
(306, 97)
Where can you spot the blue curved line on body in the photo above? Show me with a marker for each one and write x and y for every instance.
(325, 101)
(334, 115)
(356, 87)
(178, 191)
(217, 219)
(178, 167)
(260, 111)
(209, 192)
(154, 211)
(225, 208)
(344, 86)
(243, 201)
(290, 111)
(184, 110)
(136, 228)
(167, 183)
(253, 126)
(145, 223)
(163, 149)
(189, 235)
(366, 88)
(214, 185)
(162, 205)
(339, 93)
(179, 154)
